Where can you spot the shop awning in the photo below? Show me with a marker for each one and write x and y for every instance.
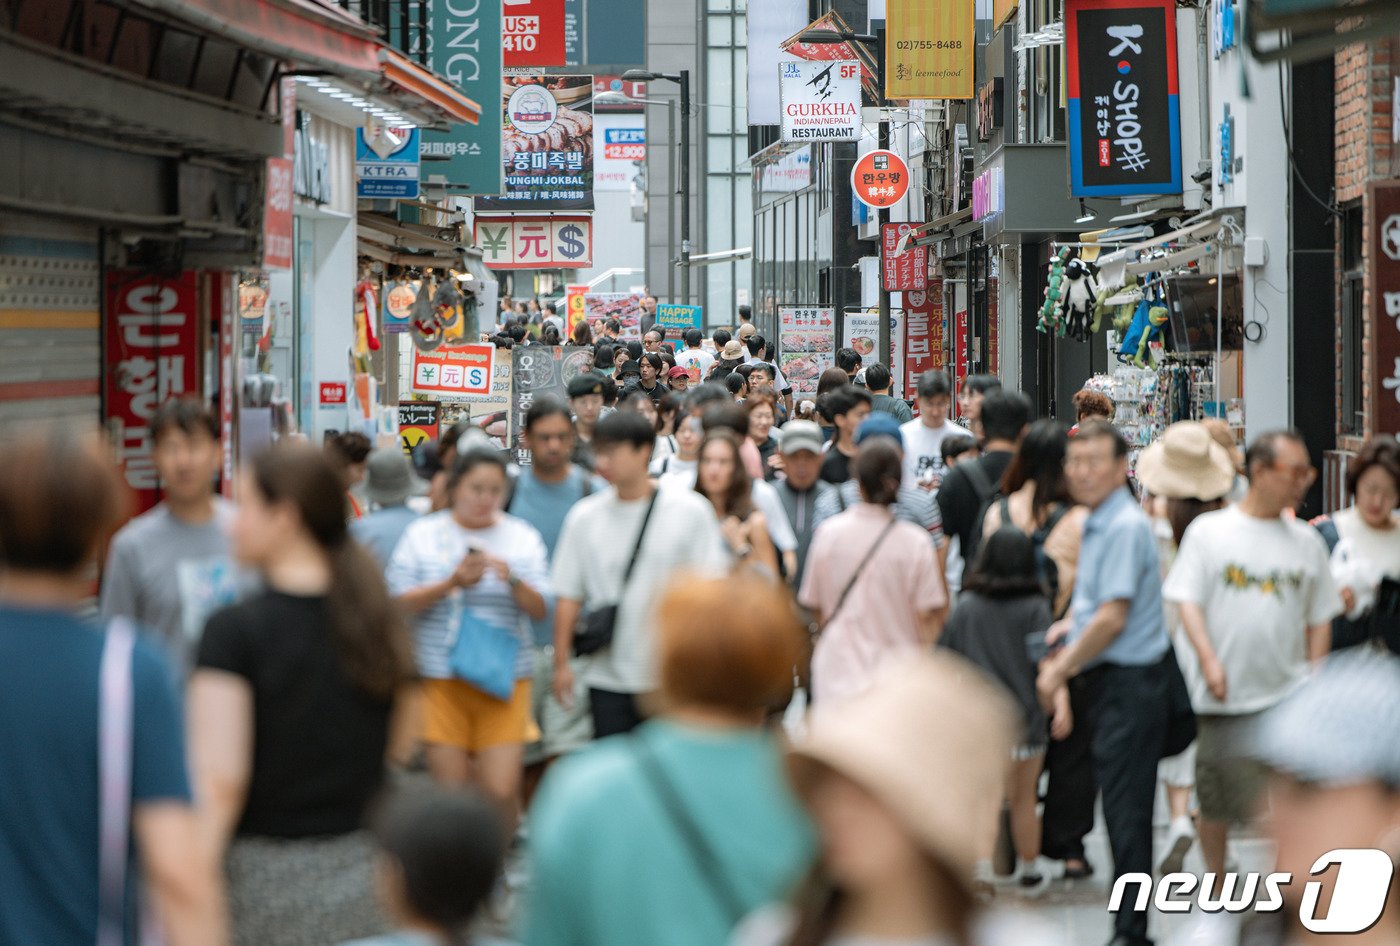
(404, 78)
(304, 32)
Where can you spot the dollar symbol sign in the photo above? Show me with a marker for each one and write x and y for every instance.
(569, 243)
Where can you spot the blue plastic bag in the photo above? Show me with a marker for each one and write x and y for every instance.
(484, 655)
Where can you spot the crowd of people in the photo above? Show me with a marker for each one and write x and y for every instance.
(719, 667)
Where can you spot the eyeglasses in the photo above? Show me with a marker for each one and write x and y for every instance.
(1300, 473)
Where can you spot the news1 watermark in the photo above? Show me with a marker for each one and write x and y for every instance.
(1359, 892)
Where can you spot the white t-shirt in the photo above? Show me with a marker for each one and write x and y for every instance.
(1379, 547)
(673, 465)
(597, 540)
(923, 448)
(697, 361)
(1261, 584)
(764, 496)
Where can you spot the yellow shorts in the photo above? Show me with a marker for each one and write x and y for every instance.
(458, 714)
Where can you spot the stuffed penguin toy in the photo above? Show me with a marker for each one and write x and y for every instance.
(1079, 298)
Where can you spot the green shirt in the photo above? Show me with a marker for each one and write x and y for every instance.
(609, 865)
(892, 405)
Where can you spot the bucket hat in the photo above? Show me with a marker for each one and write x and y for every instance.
(388, 477)
(931, 741)
(1186, 463)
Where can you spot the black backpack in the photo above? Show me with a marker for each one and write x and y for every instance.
(986, 492)
(1045, 567)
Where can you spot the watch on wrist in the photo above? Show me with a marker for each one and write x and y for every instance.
(513, 580)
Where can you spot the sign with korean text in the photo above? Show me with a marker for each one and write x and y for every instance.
(670, 316)
(961, 348)
(464, 45)
(929, 49)
(418, 423)
(1124, 124)
(619, 149)
(901, 271)
(923, 333)
(532, 33)
(540, 370)
(861, 331)
(841, 50)
(151, 354)
(277, 214)
(880, 179)
(806, 345)
(820, 100)
(535, 242)
(333, 393)
(788, 174)
(453, 370)
(386, 161)
(1385, 307)
(547, 144)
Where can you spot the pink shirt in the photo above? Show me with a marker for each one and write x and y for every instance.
(878, 622)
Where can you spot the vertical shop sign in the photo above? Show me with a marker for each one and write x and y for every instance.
(929, 49)
(540, 370)
(464, 44)
(960, 349)
(1124, 124)
(532, 33)
(228, 377)
(151, 330)
(901, 271)
(1385, 306)
(923, 333)
(546, 145)
(277, 184)
(806, 345)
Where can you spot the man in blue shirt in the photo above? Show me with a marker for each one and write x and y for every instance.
(1116, 641)
(388, 484)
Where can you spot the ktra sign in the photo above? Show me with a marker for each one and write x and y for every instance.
(535, 242)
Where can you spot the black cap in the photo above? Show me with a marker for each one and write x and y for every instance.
(630, 367)
(584, 385)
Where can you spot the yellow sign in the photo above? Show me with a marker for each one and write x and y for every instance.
(929, 49)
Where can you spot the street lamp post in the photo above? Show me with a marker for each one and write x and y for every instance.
(682, 78)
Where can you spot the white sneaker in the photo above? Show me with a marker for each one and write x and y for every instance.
(1179, 838)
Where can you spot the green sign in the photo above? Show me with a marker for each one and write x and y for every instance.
(464, 45)
(679, 316)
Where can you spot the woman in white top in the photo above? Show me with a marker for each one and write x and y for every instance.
(681, 465)
(723, 480)
(1365, 541)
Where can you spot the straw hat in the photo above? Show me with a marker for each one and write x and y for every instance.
(1186, 463)
(932, 742)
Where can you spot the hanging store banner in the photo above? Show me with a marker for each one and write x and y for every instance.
(547, 145)
(788, 174)
(901, 271)
(880, 179)
(532, 33)
(806, 345)
(1124, 124)
(418, 423)
(825, 51)
(820, 100)
(861, 331)
(464, 44)
(923, 334)
(619, 150)
(539, 371)
(151, 354)
(453, 370)
(534, 242)
(929, 49)
(386, 162)
(1385, 306)
(679, 317)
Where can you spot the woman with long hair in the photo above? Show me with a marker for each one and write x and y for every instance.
(582, 335)
(722, 479)
(761, 407)
(1003, 602)
(1036, 500)
(903, 786)
(299, 697)
(474, 569)
(685, 460)
(667, 410)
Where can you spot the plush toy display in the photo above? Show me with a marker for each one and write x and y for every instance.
(1079, 297)
(1051, 321)
(1147, 326)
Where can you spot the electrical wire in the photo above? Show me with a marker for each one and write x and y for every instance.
(1332, 209)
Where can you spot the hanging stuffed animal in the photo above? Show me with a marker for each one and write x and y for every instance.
(1120, 313)
(1079, 297)
(447, 305)
(426, 328)
(1050, 321)
(1146, 328)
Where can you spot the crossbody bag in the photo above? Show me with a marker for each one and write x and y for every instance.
(596, 627)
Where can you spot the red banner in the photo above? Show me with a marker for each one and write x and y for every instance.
(902, 271)
(532, 33)
(923, 333)
(960, 365)
(151, 332)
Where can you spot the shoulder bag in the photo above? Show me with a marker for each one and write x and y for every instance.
(596, 625)
(818, 627)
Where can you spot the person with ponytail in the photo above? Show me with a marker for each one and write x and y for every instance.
(871, 581)
(470, 565)
(299, 698)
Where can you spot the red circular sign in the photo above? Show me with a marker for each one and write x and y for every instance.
(880, 179)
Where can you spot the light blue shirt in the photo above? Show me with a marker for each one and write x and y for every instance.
(1118, 561)
(381, 530)
(544, 506)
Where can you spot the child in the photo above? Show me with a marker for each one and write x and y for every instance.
(955, 450)
(440, 855)
(1004, 601)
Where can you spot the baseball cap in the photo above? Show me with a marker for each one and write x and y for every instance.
(798, 435)
(678, 372)
(584, 385)
(879, 424)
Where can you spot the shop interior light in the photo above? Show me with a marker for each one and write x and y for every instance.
(1085, 214)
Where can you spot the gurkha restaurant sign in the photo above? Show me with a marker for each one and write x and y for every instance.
(1124, 125)
(1385, 307)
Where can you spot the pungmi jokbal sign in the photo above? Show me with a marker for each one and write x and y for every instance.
(820, 100)
(1124, 125)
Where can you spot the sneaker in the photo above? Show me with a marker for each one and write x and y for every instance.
(1180, 836)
